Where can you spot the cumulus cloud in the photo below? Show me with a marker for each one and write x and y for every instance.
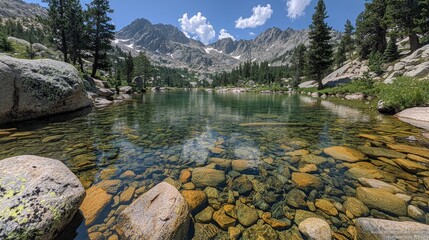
(252, 34)
(224, 34)
(197, 27)
(260, 15)
(296, 8)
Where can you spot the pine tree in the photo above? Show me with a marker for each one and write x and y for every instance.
(347, 39)
(129, 67)
(143, 68)
(422, 20)
(403, 15)
(391, 53)
(76, 31)
(371, 28)
(320, 50)
(340, 54)
(100, 33)
(58, 24)
(299, 63)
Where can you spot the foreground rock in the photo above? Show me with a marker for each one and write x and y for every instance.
(382, 200)
(160, 213)
(38, 197)
(315, 229)
(378, 229)
(37, 88)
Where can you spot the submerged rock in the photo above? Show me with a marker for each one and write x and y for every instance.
(194, 198)
(382, 200)
(344, 153)
(37, 88)
(315, 229)
(160, 213)
(380, 229)
(305, 180)
(247, 216)
(95, 201)
(203, 177)
(38, 197)
(259, 231)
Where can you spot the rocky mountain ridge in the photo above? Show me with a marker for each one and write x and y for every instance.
(168, 46)
(21, 9)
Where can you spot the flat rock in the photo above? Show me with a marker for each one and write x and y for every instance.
(95, 201)
(356, 207)
(380, 229)
(38, 197)
(382, 152)
(344, 153)
(160, 213)
(305, 180)
(423, 152)
(382, 200)
(245, 166)
(203, 177)
(410, 166)
(374, 183)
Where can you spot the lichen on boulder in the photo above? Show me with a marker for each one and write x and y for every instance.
(38, 197)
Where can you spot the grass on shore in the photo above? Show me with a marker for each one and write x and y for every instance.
(404, 92)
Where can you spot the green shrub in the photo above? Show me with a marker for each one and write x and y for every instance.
(375, 61)
(5, 45)
(404, 92)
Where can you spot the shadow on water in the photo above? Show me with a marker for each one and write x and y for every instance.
(43, 121)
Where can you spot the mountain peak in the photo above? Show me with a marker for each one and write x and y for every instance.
(168, 46)
(21, 9)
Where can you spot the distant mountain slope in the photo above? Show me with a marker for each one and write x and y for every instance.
(20, 9)
(167, 45)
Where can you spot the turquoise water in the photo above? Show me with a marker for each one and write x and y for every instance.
(159, 134)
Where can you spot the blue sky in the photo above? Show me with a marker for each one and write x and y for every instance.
(221, 18)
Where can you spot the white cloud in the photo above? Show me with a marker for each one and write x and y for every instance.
(296, 8)
(224, 34)
(198, 26)
(252, 34)
(260, 15)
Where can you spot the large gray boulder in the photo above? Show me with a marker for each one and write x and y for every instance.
(38, 197)
(379, 229)
(160, 214)
(36, 88)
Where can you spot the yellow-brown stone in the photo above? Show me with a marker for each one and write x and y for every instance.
(95, 201)
(185, 176)
(326, 207)
(344, 153)
(127, 195)
(305, 180)
(194, 198)
(423, 152)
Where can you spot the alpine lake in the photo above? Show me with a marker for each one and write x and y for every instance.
(265, 162)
